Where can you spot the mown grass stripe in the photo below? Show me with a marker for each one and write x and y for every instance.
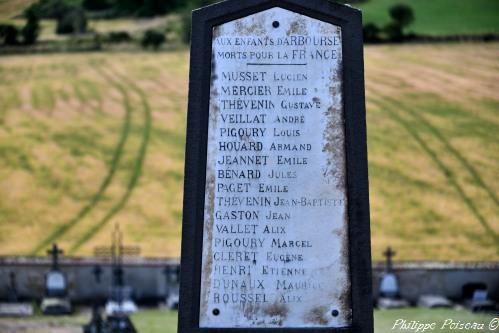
(137, 170)
(447, 172)
(467, 165)
(118, 152)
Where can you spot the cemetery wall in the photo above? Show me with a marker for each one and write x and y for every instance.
(146, 276)
(452, 280)
(149, 282)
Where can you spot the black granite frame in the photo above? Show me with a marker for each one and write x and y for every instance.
(350, 21)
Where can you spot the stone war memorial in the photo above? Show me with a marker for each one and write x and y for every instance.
(276, 210)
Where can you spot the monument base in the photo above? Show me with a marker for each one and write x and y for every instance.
(16, 309)
(56, 306)
(392, 303)
(434, 301)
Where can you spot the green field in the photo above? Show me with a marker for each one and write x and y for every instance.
(91, 140)
(156, 321)
(159, 321)
(165, 322)
(134, 27)
(12, 8)
(435, 17)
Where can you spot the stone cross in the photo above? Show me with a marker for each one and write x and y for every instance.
(171, 273)
(389, 254)
(96, 324)
(12, 294)
(116, 252)
(55, 252)
(97, 272)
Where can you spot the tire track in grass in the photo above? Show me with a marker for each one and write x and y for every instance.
(443, 168)
(137, 169)
(118, 152)
(467, 165)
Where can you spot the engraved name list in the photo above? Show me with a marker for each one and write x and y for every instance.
(275, 241)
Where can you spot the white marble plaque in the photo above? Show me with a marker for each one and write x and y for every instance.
(275, 245)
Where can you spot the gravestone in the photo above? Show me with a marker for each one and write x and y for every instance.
(13, 307)
(56, 300)
(433, 302)
(480, 302)
(389, 286)
(389, 290)
(55, 280)
(276, 211)
(171, 278)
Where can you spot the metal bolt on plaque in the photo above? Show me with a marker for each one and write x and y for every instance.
(276, 207)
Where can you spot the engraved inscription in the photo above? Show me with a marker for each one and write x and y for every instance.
(275, 245)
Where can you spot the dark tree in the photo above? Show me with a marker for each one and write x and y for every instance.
(119, 37)
(8, 34)
(186, 25)
(97, 4)
(371, 33)
(394, 32)
(151, 8)
(52, 9)
(72, 21)
(402, 14)
(352, 1)
(187, 18)
(153, 38)
(128, 7)
(31, 30)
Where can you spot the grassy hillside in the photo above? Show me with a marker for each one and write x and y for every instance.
(90, 140)
(433, 17)
(434, 171)
(12, 8)
(436, 17)
(133, 27)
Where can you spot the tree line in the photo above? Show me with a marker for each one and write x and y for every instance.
(115, 8)
(71, 17)
(401, 16)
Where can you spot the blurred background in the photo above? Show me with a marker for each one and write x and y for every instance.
(93, 100)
